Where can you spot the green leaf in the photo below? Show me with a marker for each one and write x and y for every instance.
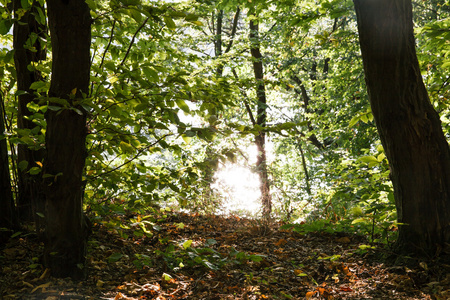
(35, 170)
(23, 165)
(16, 234)
(369, 159)
(189, 133)
(380, 157)
(136, 15)
(198, 23)
(446, 64)
(25, 4)
(39, 86)
(54, 108)
(359, 220)
(186, 138)
(255, 258)
(169, 22)
(5, 26)
(187, 244)
(127, 148)
(150, 73)
(354, 120)
(60, 101)
(211, 242)
(115, 257)
(33, 266)
(181, 104)
(92, 4)
(364, 118)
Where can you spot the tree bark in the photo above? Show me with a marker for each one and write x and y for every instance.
(30, 199)
(260, 139)
(409, 127)
(66, 229)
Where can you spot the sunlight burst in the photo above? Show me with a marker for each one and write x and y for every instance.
(239, 186)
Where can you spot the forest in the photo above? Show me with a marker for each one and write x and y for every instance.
(225, 149)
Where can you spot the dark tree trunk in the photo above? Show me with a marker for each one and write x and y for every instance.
(218, 42)
(260, 139)
(66, 230)
(409, 127)
(30, 198)
(8, 218)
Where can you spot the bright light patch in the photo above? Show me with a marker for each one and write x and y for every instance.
(240, 188)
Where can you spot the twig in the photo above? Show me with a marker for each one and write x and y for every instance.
(132, 41)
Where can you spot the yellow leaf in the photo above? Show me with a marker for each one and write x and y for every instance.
(166, 277)
(74, 91)
(39, 164)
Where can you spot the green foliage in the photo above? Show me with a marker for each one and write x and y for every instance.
(183, 255)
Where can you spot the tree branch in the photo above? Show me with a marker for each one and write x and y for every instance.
(132, 42)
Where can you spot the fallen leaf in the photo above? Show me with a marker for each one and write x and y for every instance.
(281, 242)
(345, 289)
(310, 294)
(344, 240)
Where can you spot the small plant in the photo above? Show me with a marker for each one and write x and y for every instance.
(187, 256)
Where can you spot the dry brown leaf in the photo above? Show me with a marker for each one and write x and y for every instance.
(310, 294)
(281, 242)
(344, 240)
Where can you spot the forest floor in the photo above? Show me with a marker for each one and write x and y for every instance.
(186, 256)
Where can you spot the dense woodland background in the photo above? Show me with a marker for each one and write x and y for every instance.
(114, 111)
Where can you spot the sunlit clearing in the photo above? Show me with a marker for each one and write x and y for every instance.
(239, 186)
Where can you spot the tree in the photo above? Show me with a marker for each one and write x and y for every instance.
(260, 138)
(66, 230)
(409, 127)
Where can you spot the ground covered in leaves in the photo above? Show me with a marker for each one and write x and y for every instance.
(183, 256)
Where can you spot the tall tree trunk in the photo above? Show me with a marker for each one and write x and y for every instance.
(8, 218)
(260, 139)
(66, 230)
(409, 127)
(30, 199)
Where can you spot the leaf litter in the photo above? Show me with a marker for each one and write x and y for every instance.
(192, 256)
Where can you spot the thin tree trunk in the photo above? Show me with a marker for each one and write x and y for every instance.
(30, 199)
(66, 229)
(409, 127)
(260, 139)
(218, 42)
(305, 169)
